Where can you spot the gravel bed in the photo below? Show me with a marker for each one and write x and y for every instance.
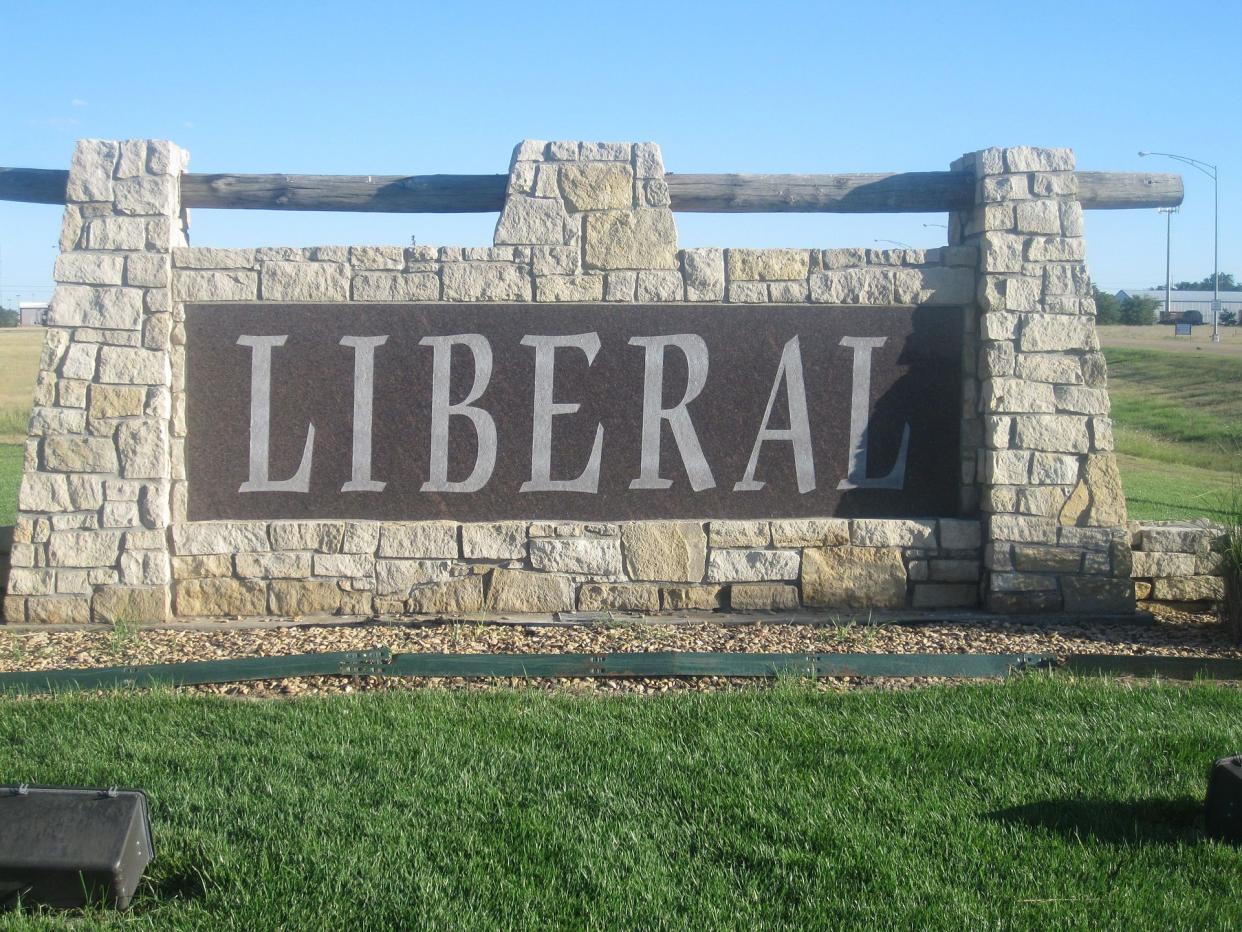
(1174, 633)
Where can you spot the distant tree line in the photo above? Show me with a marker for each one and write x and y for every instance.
(1227, 283)
(9, 317)
(1135, 311)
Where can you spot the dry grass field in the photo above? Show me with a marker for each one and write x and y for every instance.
(19, 365)
(1160, 337)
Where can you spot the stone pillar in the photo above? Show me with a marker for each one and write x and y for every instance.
(93, 510)
(1056, 517)
(596, 218)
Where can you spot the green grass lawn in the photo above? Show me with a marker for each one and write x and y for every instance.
(1178, 427)
(1034, 803)
(12, 455)
(1177, 409)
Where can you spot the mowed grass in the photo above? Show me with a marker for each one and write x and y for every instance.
(1174, 409)
(1034, 803)
(1178, 428)
(1158, 491)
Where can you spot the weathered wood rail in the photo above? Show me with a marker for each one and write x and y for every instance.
(902, 192)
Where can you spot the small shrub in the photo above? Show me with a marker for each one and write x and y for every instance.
(1139, 311)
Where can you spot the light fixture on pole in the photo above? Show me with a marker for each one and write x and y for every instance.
(1168, 260)
(896, 242)
(1210, 171)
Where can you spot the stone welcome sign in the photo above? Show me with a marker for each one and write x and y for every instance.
(580, 416)
(587, 412)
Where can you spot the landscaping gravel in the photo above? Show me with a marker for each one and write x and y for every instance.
(1172, 633)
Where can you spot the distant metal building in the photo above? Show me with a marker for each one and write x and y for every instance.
(1182, 304)
(31, 314)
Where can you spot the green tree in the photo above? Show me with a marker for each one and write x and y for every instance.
(1107, 307)
(1228, 318)
(1138, 311)
(1227, 283)
(8, 317)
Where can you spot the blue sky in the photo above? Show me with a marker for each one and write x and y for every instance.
(411, 88)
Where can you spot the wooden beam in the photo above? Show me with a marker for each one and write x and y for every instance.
(1124, 190)
(33, 185)
(905, 192)
(427, 194)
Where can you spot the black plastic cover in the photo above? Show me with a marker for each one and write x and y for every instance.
(1224, 800)
(62, 846)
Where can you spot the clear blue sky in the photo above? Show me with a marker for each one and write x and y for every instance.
(408, 88)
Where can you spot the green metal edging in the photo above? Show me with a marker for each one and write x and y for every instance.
(381, 662)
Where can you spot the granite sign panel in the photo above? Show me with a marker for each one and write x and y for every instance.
(477, 412)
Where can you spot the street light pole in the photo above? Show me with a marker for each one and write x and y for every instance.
(1168, 260)
(1212, 173)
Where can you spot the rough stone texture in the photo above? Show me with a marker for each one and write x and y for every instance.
(1039, 348)
(398, 577)
(811, 532)
(768, 264)
(751, 597)
(622, 597)
(485, 281)
(703, 270)
(395, 287)
(220, 597)
(530, 221)
(425, 539)
(523, 591)
(456, 596)
(854, 577)
(739, 533)
(1189, 589)
(690, 598)
(1163, 564)
(1087, 594)
(752, 565)
(58, 610)
(597, 186)
(305, 281)
(303, 597)
(639, 239)
(323, 536)
(890, 533)
(584, 556)
(212, 286)
(664, 551)
(132, 605)
(218, 537)
(503, 541)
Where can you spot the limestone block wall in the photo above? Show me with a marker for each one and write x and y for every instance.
(103, 529)
(1056, 518)
(295, 568)
(1178, 561)
(93, 508)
